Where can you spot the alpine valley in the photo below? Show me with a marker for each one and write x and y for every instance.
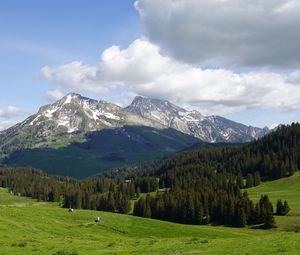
(79, 137)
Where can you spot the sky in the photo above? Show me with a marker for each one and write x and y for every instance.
(235, 58)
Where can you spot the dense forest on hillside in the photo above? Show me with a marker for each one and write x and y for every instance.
(200, 186)
(197, 196)
(274, 156)
(96, 194)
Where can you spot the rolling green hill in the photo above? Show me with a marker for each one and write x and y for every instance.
(30, 227)
(284, 189)
(103, 150)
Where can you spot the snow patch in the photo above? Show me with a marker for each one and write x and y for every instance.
(110, 115)
(154, 114)
(71, 130)
(95, 113)
(90, 112)
(34, 120)
(64, 123)
(187, 116)
(49, 113)
(68, 99)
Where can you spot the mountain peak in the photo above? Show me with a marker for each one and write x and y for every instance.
(70, 97)
(164, 112)
(73, 94)
(207, 128)
(74, 114)
(145, 104)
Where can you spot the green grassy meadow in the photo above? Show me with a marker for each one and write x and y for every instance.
(284, 189)
(31, 227)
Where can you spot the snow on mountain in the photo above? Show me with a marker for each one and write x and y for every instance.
(208, 128)
(71, 117)
(75, 113)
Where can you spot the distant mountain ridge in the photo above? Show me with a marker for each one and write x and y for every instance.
(67, 120)
(71, 117)
(207, 128)
(79, 136)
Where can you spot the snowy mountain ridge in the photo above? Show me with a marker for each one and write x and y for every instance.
(70, 118)
(207, 128)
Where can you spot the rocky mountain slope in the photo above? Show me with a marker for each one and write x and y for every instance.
(68, 120)
(78, 136)
(71, 117)
(207, 128)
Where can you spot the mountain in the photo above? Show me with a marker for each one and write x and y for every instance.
(78, 136)
(102, 150)
(207, 128)
(274, 156)
(68, 120)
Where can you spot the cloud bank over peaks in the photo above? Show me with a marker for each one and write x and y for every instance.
(226, 33)
(146, 71)
(74, 75)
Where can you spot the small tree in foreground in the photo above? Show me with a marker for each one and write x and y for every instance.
(282, 208)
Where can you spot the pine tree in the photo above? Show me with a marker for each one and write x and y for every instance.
(249, 181)
(286, 207)
(269, 221)
(279, 208)
(256, 180)
(241, 219)
(282, 208)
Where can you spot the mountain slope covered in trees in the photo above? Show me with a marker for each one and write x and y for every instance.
(200, 186)
(103, 150)
(274, 156)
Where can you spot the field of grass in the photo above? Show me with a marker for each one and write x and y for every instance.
(284, 189)
(30, 227)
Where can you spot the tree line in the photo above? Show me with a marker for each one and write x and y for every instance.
(196, 195)
(96, 194)
(274, 156)
(201, 186)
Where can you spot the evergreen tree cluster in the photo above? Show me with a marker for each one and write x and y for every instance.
(198, 195)
(274, 156)
(146, 184)
(201, 186)
(96, 194)
(282, 208)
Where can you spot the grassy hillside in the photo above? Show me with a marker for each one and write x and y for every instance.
(29, 227)
(284, 189)
(103, 150)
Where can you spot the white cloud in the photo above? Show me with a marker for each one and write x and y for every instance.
(232, 33)
(10, 112)
(54, 94)
(146, 71)
(74, 75)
